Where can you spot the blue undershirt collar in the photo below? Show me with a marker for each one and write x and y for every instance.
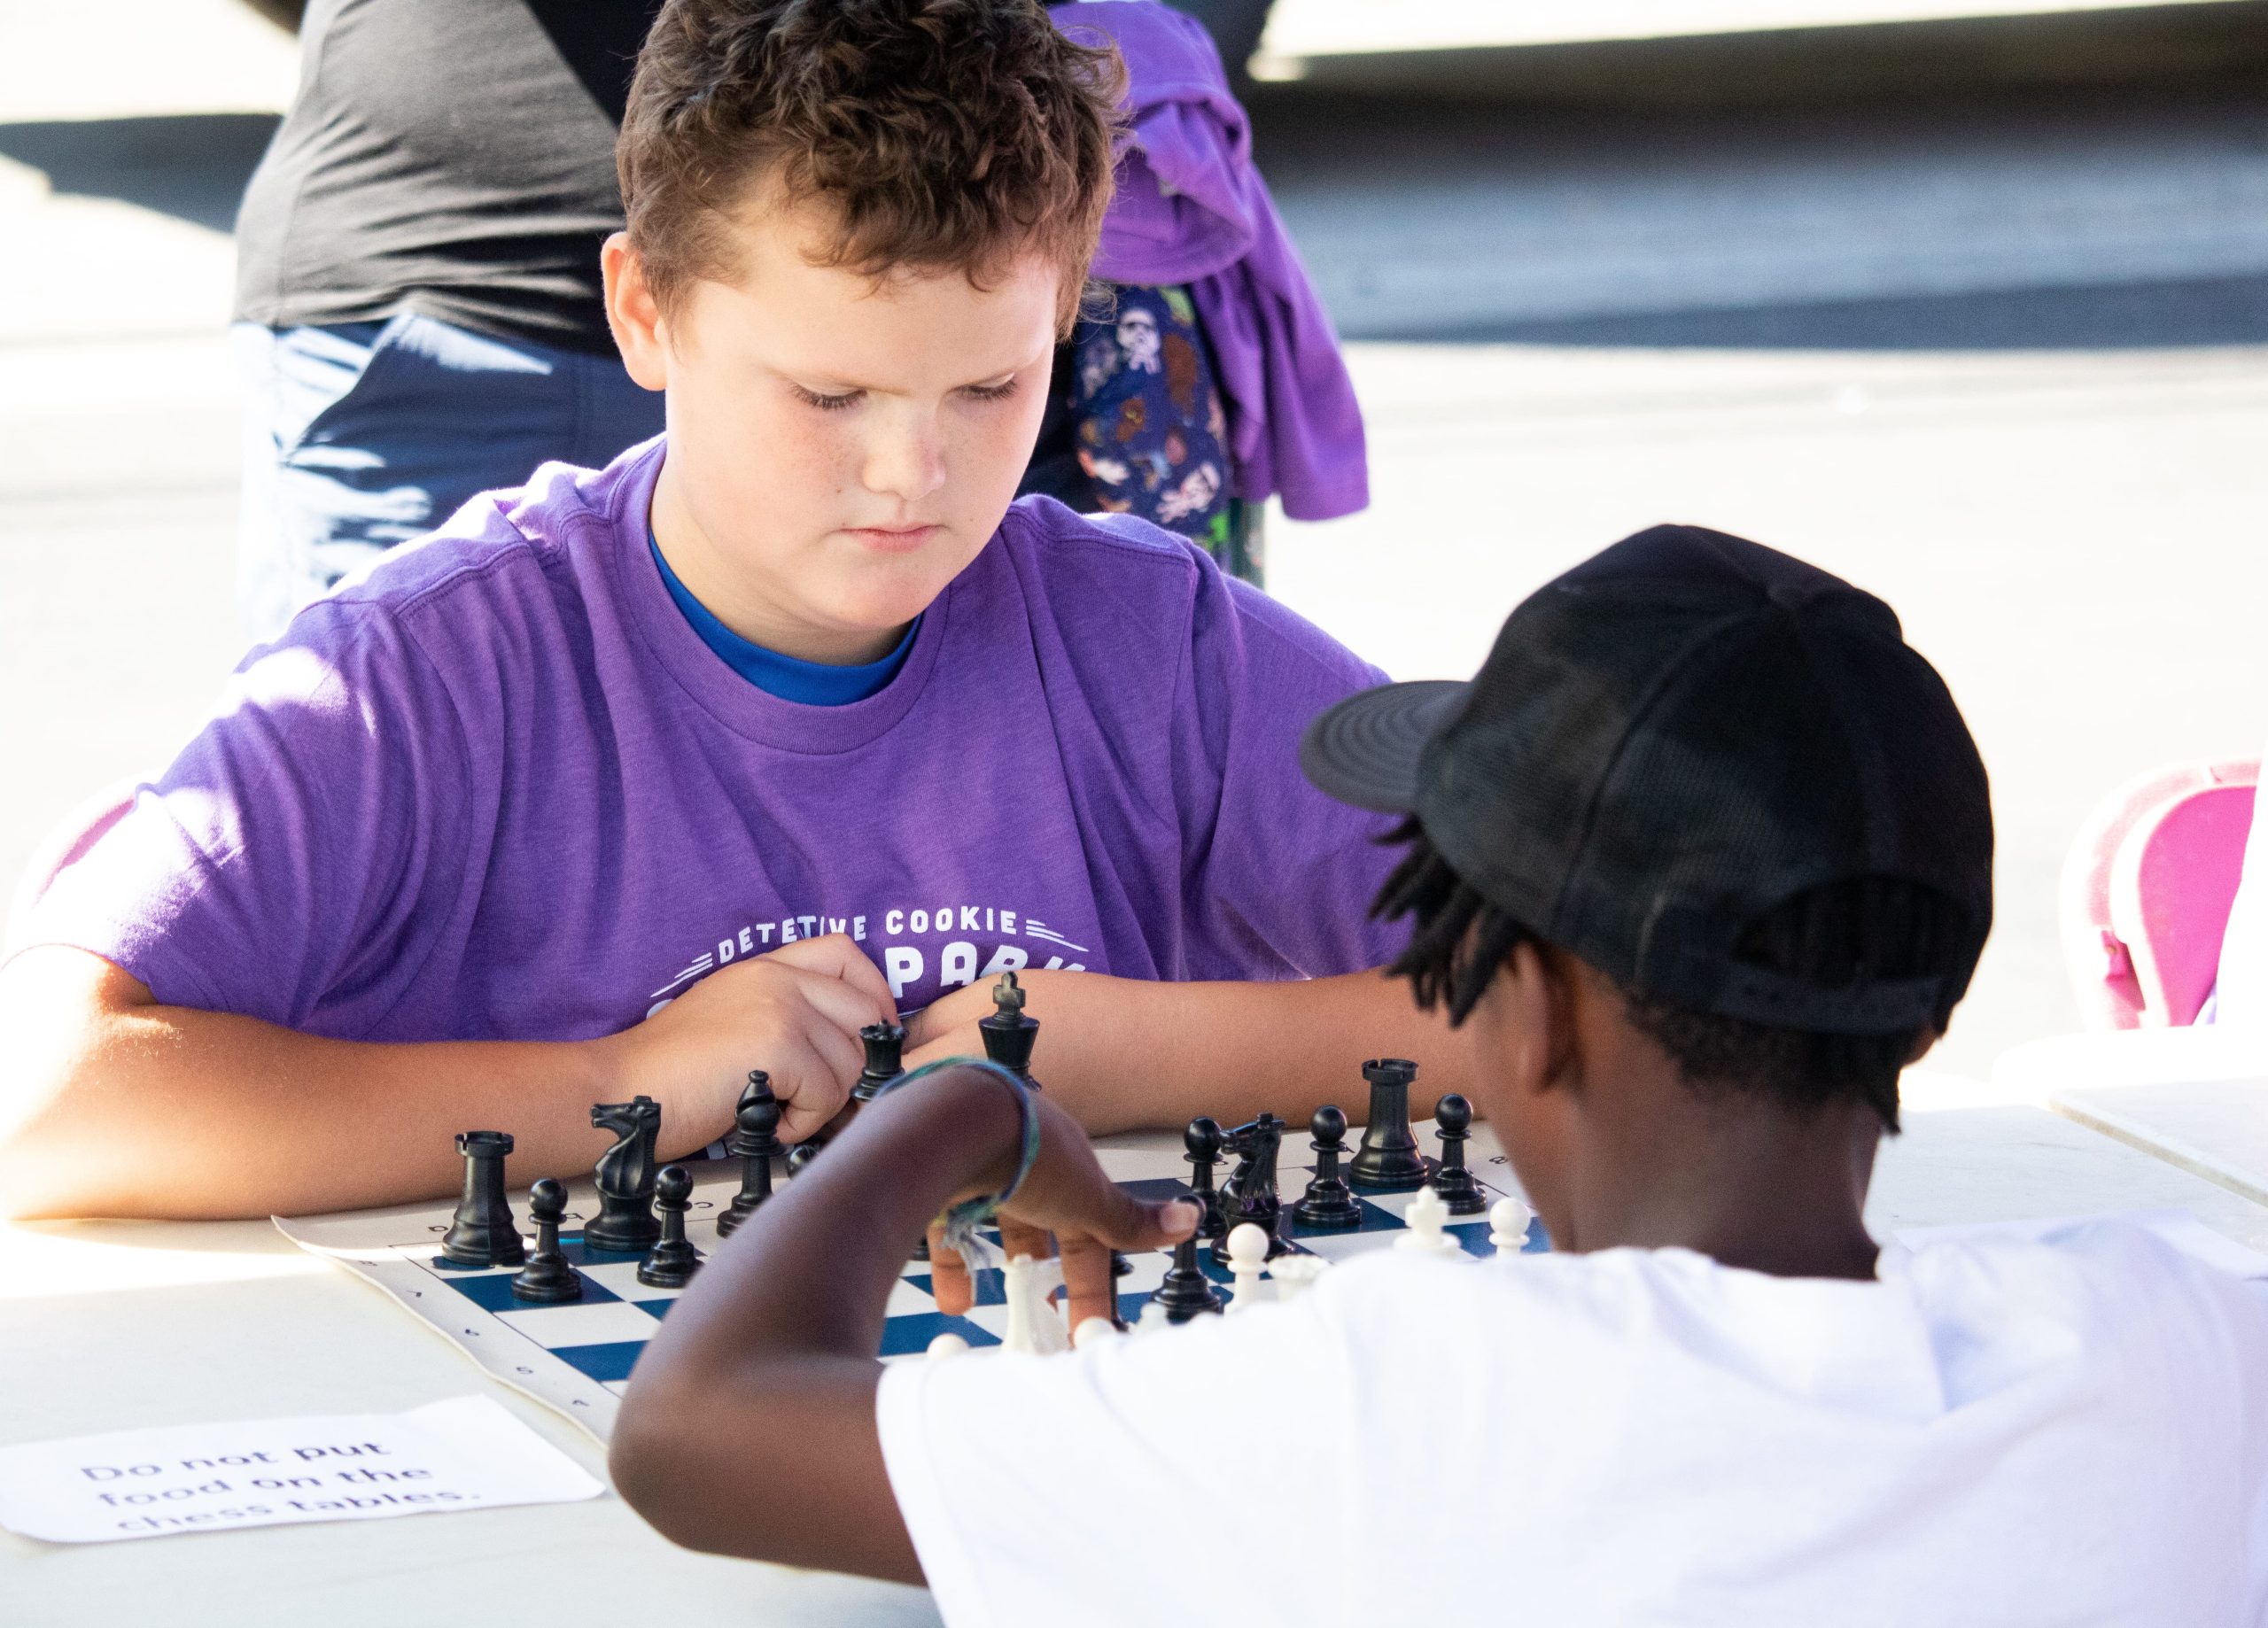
(813, 683)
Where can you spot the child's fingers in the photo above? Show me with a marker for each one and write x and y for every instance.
(1019, 1240)
(842, 1005)
(1089, 1287)
(950, 1283)
(1138, 1225)
(835, 956)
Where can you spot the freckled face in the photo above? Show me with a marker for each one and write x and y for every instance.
(840, 449)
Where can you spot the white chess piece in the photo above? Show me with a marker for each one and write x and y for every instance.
(1509, 1219)
(1247, 1256)
(1034, 1324)
(1295, 1274)
(1153, 1319)
(947, 1344)
(1427, 1218)
(1093, 1331)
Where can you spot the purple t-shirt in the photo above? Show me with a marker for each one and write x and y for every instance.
(498, 788)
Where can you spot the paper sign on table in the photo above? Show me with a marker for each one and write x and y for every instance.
(464, 1453)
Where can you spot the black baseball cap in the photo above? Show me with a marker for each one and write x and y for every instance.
(1680, 733)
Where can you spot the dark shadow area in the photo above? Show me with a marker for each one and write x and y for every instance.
(2122, 45)
(599, 44)
(190, 165)
(2116, 317)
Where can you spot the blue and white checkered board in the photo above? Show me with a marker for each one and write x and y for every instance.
(577, 1357)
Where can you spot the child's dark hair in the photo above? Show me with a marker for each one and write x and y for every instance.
(943, 134)
(1877, 927)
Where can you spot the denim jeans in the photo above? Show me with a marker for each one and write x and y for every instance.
(364, 435)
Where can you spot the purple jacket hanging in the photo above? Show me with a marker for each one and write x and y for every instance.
(1192, 209)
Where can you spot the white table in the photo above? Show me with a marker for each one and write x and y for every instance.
(108, 1325)
(2195, 1097)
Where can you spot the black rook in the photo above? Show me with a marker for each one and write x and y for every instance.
(1388, 1158)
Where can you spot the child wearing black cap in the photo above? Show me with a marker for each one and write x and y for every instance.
(1700, 861)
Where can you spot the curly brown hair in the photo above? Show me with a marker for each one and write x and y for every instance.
(941, 134)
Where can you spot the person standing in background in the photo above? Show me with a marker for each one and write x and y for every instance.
(418, 308)
(419, 314)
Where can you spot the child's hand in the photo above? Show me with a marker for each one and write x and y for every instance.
(1067, 1194)
(947, 1026)
(794, 1012)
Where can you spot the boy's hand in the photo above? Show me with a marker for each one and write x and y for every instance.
(947, 1026)
(1067, 1194)
(794, 1012)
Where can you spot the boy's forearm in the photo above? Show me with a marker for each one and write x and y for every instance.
(764, 1376)
(147, 1110)
(1126, 1054)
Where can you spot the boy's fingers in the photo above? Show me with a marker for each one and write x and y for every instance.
(1143, 1226)
(950, 1283)
(817, 1082)
(949, 1017)
(848, 1009)
(836, 956)
(1020, 1239)
(1089, 1287)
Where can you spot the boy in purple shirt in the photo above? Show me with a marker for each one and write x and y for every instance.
(636, 779)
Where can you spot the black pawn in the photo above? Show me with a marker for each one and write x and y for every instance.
(1453, 1118)
(482, 1232)
(1328, 1206)
(1388, 1158)
(800, 1155)
(674, 1261)
(754, 1143)
(546, 1279)
(1186, 1292)
(885, 1044)
(1203, 1141)
(1008, 1035)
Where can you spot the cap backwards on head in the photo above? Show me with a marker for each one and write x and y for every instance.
(1713, 772)
(943, 134)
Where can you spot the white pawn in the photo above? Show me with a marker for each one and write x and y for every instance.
(1509, 1219)
(1295, 1274)
(1093, 1331)
(1428, 1219)
(947, 1344)
(1034, 1324)
(1247, 1257)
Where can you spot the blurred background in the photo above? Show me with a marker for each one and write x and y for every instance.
(1967, 302)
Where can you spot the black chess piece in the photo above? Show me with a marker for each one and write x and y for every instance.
(1203, 1141)
(546, 1279)
(1328, 1206)
(799, 1156)
(1186, 1292)
(1453, 1118)
(1250, 1194)
(482, 1232)
(625, 1223)
(885, 1044)
(1388, 1158)
(673, 1261)
(1008, 1035)
(754, 1143)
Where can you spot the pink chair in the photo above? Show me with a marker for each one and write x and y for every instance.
(2146, 893)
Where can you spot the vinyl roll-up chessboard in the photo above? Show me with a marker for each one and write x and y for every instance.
(577, 1357)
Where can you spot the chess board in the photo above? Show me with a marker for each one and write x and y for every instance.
(578, 1358)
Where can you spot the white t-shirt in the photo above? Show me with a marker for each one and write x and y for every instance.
(2070, 1432)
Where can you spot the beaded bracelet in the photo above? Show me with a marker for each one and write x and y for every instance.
(963, 1220)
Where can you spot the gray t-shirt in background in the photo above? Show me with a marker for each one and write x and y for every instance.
(452, 158)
